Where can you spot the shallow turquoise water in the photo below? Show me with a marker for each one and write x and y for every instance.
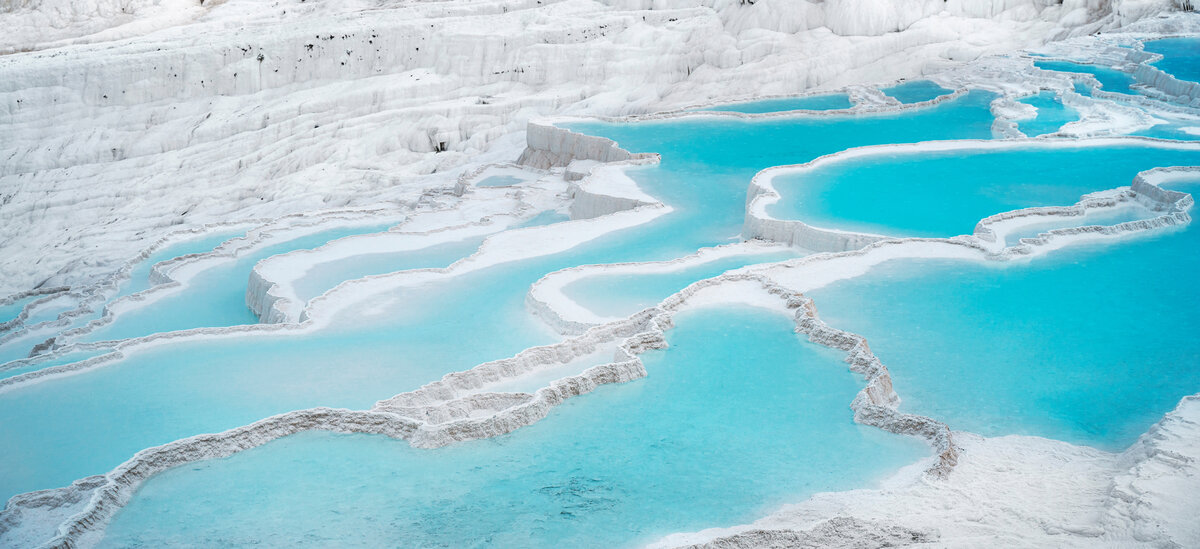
(1090, 345)
(20, 347)
(707, 164)
(1175, 129)
(215, 297)
(139, 276)
(50, 310)
(46, 363)
(942, 194)
(324, 276)
(1181, 56)
(548, 217)
(739, 416)
(620, 295)
(1111, 80)
(10, 311)
(826, 102)
(89, 423)
(1051, 115)
(916, 91)
(498, 181)
(1105, 217)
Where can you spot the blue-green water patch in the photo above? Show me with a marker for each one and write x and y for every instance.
(89, 423)
(324, 276)
(1179, 130)
(1111, 80)
(216, 296)
(916, 91)
(739, 416)
(548, 217)
(620, 295)
(12, 310)
(499, 181)
(51, 362)
(1090, 345)
(1051, 115)
(139, 276)
(827, 102)
(945, 193)
(1106, 217)
(1181, 56)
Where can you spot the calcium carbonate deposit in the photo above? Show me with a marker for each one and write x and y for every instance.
(543, 273)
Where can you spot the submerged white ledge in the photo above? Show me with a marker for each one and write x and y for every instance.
(547, 299)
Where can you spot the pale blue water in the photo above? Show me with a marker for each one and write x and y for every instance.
(139, 276)
(620, 295)
(707, 164)
(826, 102)
(12, 310)
(20, 346)
(89, 423)
(740, 416)
(1181, 56)
(548, 217)
(1051, 115)
(324, 276)
(928, 193)
(1090, 345)
(215, 297)
(1106, 217)
(1111, 80)
(50, 310)
(916, 91)
(498, 181)
(6, 372)
(1173, 129)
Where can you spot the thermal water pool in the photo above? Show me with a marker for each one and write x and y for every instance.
(88, 423)
(1181, 56)
(827, 102)
(323, 276)
(217, 295)
(1111, 80)
(678, 450)
(915, 91)
(620, 295)
(1051, 114)
(942, 193)
(1091, 344)
(12, 310)
(139, 275)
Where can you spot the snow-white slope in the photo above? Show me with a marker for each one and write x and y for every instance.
(168, 113)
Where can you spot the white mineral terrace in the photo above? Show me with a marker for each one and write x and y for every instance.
(472, 105)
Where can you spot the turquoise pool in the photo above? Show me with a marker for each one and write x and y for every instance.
(1051, 115)
(945, 193)
(216, 296)
(1111, 80)
(1090, 345)
(625, 465)
(88, 423)
(916, 91)
(1181, 56)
